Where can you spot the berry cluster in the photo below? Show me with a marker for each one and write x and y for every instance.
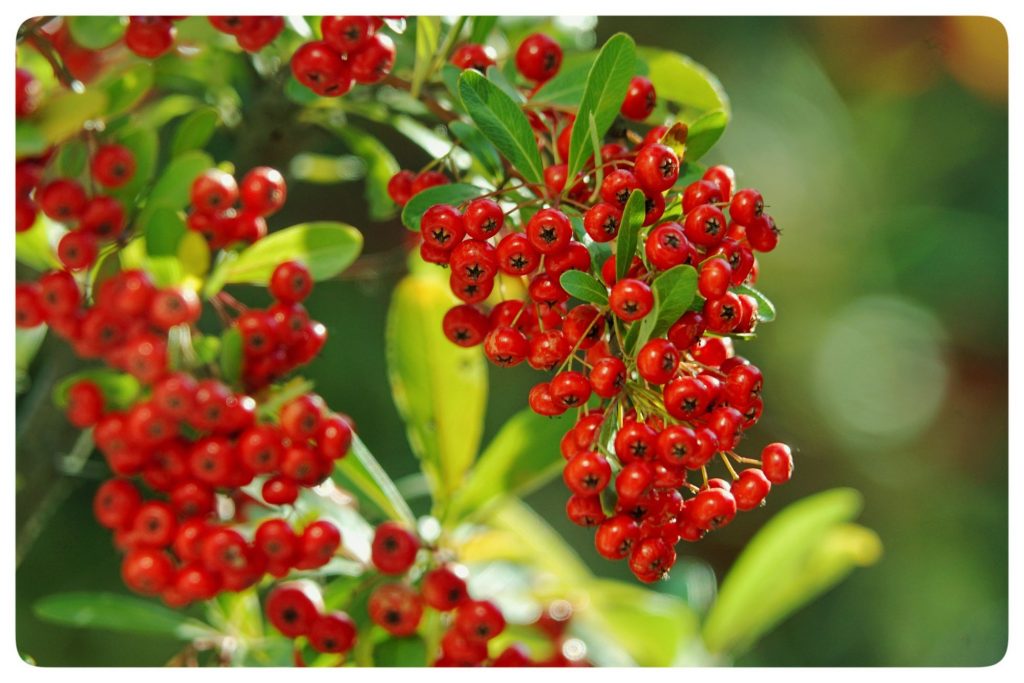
(352, 50)
(153, 36)
(647, 416)
(408, 583)
(406, 184)
(214, 196)
(278, 339)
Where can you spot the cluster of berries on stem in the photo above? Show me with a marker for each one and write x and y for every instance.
(352, 50)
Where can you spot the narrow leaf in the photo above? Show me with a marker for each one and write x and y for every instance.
(359, 469)
(380, 167)
(127, 87)
(673, 290)
(625, 244)
(173, 186)
(121, 613)
(704, 133)
(428, 34)
(584, 287)
(605, 89)
(453, 193)
(231, 356)
(195, 130)
(481, 28)
(765, 308)
(501, 120)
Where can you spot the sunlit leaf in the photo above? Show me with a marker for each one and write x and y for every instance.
(704, 133)
(326, 248)
(584, 287)
(765, 308)
(119, 388)
(625, 244)
(121, 613)
(96, 32)
(360, 469)
(680, 80)
(428, 35)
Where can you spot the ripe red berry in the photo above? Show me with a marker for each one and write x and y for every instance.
(715, 278)
(317, 545)
(777, 462)
(113, 165)
(746, 206)
(334, 632)
(631, 299)
(617, 186)
(214, 191)
(538, 57)
(657, 361)
(652, 559)
(516, 255)
(640, 99)
(291, 282)
(149, 36)
(346, 34)
(724, 177)
(712, 508)
(77, 250)
(27, 92)
(443, 589)
(584, 510)
(616, 536)
(154, 525)
(427, 179)
(400, 187)
(442, 226)
(170, 307)
(506, 346)
(62, 200)
(608, 376)
(291, 610)
(570, 388)
(542, 402)
(396, 608)
(656, 168)
(549, 231)
(85, 404)
(705, 226)
(321, 69)
(763, 234)
(263, 191)
(483, 218)
(394, 548)
(115, 503)
(465, 325)
(474, 56)
(373, 61)
(601, 222)
(587, 473)
(635, 441)
(478, 621)
(750, 489)
(666, 246)
(279, 490)
(147, 571)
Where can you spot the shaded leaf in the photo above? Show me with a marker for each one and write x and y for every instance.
(34, 247)
(359, 469)
(481, 28)
(174, 185)
(566, 88)
(632, 220)
(95, 32)
(478, 146)
(501, 120)
(122, 613)
(704, 133)
(127, 87)
(409, 651)
(231, 356)
(673, 290)
(63, 114)
(195, 130)
(72, 158)
(28, 139)
(607, 82)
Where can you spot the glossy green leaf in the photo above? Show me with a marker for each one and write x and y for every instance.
(163, 229)
(326, 248)
(450, 77)
(704, 133)
(96, 32)
(428, 36)
(584, 287)
(502, 122)
(72, 158)
(481, 29)
(380, 167)
(673, 290)
(231, 356)
(765, 308)
(607, 82)
(502, 79)
(360, 471)
(680, 80)
(165, 109)
(28, 139)
(453, 193)
(440, 389)
(174, 185)
(127, 87)
(625, 244)
(409, 651)
(523, 456)
(801, 552)
(121, 613)
(566, 88)
(195, 130)
(478, 146)
(64, 114)
(119, 388)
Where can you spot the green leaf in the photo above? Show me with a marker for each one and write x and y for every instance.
(127, 87)
(632, 220)
(326, 248)
(27, 341)
(673, 292)
(96, 32)
(803, 551)
(195, 130)
(607, 82)
(765, 308)
(174, 185)
(361, 471)
(410, 651)
(500, 78)
(231, 356)
(481, 28)
(163, 229)
(501, 120)
(532, 538)
(119, 388)
(680, 80)
(72, 158)
(450, 77)
(121, 613)
(704, 133)
(584, 287)
(523, 456)
(453, 193)
(653, 628)
(440, 389)
(380, 167)
(428, 35)
(64, 114)
(566, 88)
(28, 139)
(478, 146)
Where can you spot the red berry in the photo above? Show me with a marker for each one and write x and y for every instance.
(601, 222)
(442, 226)
(478, 621)
(321, 69)
(334, 633)
(483, 218)
(27, 92)
(715, 278)
(699, 193)
(506, 346)
(635, 441)
(652, 559)
(608, 376)
(777, 462)
(465, 325)
(617, 186)
(746, 206)
(263, 191)
(474, 56)
(154, 525)
(170, 307)
(147, 571)
(750, 489)
(291, 610)
(724, 178)
(549, 231)
(374, 60)
(657, 361)
(616, 536)
(116, 503)
(113, 165)
(62, 200)
(543, 403)
(640, 99)
(291, 282)
(584, 510)
(149, 36)
(346, 34)
(280, 490)
(400, 187)
(631, 299)
(394, 548)
(317, 545)
(656, 168)
(712, 508)
(427, 179)
(570, 388)
(214, 191)
(516, 255)
(443, 589)
(334, 437)
(396, 608)
(538, 57)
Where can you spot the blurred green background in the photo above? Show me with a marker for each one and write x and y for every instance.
(881, 146)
